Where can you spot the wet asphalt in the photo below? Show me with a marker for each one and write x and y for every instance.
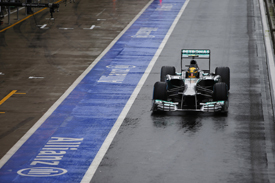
(202, 147)
(169, 147)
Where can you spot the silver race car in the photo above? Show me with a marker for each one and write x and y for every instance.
(192, 89)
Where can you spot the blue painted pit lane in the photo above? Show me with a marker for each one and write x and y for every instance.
(64, 146)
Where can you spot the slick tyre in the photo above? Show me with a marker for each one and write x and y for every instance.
(165, 70)
(220, 92)
(224, 72)
(160, 92)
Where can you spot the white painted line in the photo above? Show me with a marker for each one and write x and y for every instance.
(1, 73)
(106, 144)
(35, 77)
(269, 52)
(43, 26)
(92, 27)
(66, 28)
(100, 12)
(100, 19)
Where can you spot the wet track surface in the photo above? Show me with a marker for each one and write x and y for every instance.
(200, 147)
(169, 147)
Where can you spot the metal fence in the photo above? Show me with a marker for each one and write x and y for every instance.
(6, 11)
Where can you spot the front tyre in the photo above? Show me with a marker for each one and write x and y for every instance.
(220, 92)
(160, 92)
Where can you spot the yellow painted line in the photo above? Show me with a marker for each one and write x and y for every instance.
(8, 96)
(26, 18)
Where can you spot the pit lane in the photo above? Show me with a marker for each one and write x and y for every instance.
(202, 147)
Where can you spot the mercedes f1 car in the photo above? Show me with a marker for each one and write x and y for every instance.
(192, 89)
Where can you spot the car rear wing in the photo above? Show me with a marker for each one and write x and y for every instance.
(195, 54)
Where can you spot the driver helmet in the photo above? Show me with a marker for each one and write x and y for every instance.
(192, 72)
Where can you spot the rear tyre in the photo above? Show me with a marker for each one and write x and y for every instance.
(166, 70)
(224, 72)
(220, 92)
(160, 92)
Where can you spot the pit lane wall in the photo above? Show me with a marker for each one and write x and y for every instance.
(267, 8)
(270, 12)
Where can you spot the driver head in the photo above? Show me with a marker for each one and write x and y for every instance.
(192, 72)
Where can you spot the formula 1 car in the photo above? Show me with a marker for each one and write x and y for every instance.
(192, 89)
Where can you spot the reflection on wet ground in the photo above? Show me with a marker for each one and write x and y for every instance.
(190, 121)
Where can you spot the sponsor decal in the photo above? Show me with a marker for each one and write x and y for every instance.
(51, 155)
(165, 7)
(42, 172)
(196, 53)
(145, 32)
(117, 75)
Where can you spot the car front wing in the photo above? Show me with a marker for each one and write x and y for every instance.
(216, 106)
